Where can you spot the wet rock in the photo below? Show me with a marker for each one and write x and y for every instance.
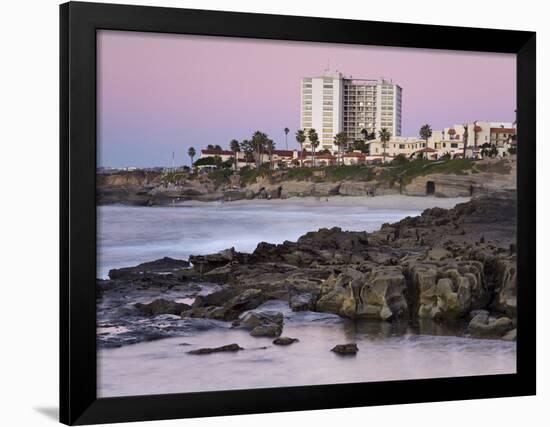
(510, 335)
(506, 279)
(163, 265)
(285, 341)
(267, 330)
(484, 326)
(252, 319)
(448, 289)
(302, 301)
(205, 263)
(161, 306)
(225, 348)
(217, 298)
(261, 324)
(247, 300)
(345, 349)
(378, 294)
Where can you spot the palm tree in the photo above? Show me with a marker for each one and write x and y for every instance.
(465, 140)
(477, 129)
(246, 147)
(259, 140)
(270, 146)
(314, 141)
(286, 131)
(426, 132)
(384, 136)
(300, 139)
(340, 140)
(191, 153)
(235, 147)
(365, 133)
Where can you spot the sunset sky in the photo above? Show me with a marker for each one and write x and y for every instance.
(161, 93)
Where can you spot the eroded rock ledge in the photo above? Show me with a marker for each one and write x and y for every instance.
(447, 265)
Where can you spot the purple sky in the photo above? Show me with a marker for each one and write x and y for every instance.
(161, 93)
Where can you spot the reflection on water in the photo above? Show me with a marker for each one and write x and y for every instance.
(387, 351)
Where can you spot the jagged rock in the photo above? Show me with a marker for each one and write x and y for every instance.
(484, 326)
(510, 335)
(448, 289)
(302, 301)
(261, 324)
(217, 298)
(382, 295)
(268, 330)
(378, 294)
(247, 300)
(163, 265)
(207, 350)
(506, 279)
(252, 319)
(161, 306)
(205, 263)
(285, 341)
(345, 349)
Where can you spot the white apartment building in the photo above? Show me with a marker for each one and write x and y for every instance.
(332, 103)
(479, 133)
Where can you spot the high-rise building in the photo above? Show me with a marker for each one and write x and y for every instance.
(333, 103)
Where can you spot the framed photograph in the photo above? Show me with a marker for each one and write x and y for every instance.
(281, 213)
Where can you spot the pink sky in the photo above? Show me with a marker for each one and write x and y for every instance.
(160, 93)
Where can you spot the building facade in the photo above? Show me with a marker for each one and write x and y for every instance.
(333, 103)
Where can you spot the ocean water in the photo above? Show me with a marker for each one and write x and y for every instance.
(386, 352)
(131, 235)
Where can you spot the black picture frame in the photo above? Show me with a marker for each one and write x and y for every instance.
(78, 25)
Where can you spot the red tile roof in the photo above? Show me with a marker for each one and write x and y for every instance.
(503, 130)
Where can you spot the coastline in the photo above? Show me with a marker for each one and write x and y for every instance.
(440, 286)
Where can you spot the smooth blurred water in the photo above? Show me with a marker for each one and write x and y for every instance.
(130, 235)
(386, 352)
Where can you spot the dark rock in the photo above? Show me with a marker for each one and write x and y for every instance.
(247, 300)
(267, 330)
(163, 265)
(217, 298)
(161, 306)
(230, 347)
(345, 349)
(285, 341)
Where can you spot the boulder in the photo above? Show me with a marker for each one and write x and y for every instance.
(225, 348)
(247, 300)
(161, 306)
(510, 335)
(484, 326)
(261, 324)
(285, 341)
(302, 301)
(267, 330)
(382, 294)
(345, 349)
(205, 263)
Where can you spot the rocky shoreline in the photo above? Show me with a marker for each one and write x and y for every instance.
(448, 266)
(152, 189)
